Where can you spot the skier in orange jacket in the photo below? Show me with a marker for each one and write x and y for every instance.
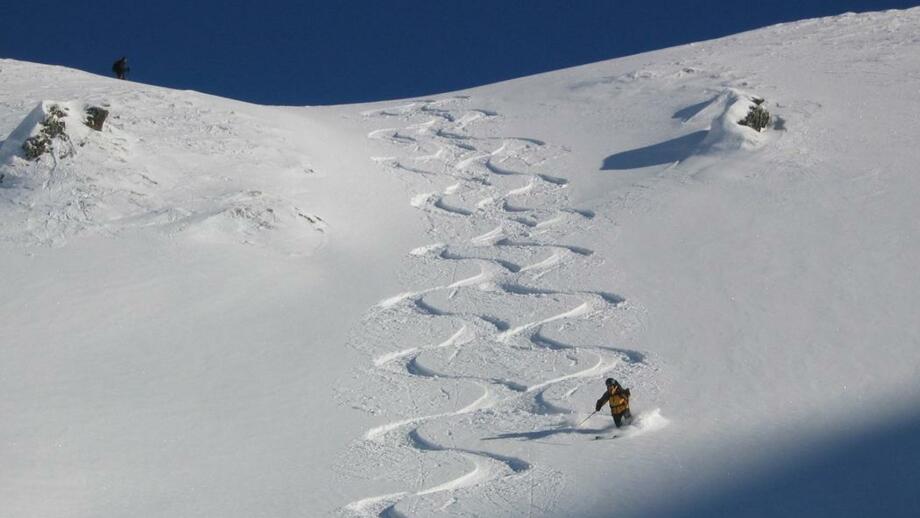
(618, 397)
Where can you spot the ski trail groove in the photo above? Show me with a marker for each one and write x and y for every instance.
(482, 174)
(486, 272)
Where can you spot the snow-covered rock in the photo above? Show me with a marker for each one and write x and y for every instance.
(726, 133)
(52, 127)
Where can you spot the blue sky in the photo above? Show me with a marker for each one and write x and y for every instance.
(305, 52)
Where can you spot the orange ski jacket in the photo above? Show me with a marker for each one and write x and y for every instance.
(618, 398)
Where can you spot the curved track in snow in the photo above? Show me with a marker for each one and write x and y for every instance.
(468, 346)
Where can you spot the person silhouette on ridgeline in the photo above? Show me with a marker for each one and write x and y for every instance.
(120, 68)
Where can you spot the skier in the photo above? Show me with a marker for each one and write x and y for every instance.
(120, 68)
(618, 397)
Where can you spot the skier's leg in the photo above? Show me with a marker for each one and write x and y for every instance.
(617, 418)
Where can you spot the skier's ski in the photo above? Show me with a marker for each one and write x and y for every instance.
(605, 437)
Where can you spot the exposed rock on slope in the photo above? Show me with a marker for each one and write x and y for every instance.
(53, 127)
(68, 173)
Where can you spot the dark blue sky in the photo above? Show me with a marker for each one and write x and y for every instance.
(341, 51)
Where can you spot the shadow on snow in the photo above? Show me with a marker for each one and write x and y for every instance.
(669, 151)
(864, 472)
(542, 434)
(691, 111)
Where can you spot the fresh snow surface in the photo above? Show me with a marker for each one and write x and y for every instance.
(405, 309)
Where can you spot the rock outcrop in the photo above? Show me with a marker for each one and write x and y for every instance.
(52, 127)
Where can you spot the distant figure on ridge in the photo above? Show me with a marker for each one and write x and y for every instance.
(618, 397)
(120, 68)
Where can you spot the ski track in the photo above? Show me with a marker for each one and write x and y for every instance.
(436, 138)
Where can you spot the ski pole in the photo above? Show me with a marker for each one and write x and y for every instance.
(586, 419)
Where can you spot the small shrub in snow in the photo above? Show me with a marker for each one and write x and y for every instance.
(757, 117)
(52, 128)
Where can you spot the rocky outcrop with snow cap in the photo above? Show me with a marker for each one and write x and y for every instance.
(726, 133)
(53, 127)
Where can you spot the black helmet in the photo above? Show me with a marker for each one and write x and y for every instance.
(610, 382)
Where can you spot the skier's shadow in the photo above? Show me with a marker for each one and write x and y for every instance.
(541, 434)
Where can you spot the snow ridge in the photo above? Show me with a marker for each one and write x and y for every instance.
(496, 213)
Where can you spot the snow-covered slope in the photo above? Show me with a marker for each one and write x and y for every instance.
(408, 308)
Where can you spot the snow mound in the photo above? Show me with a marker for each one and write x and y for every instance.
(726, 134)
(254, 218)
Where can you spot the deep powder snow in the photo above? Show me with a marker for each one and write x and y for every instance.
(408, 308)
